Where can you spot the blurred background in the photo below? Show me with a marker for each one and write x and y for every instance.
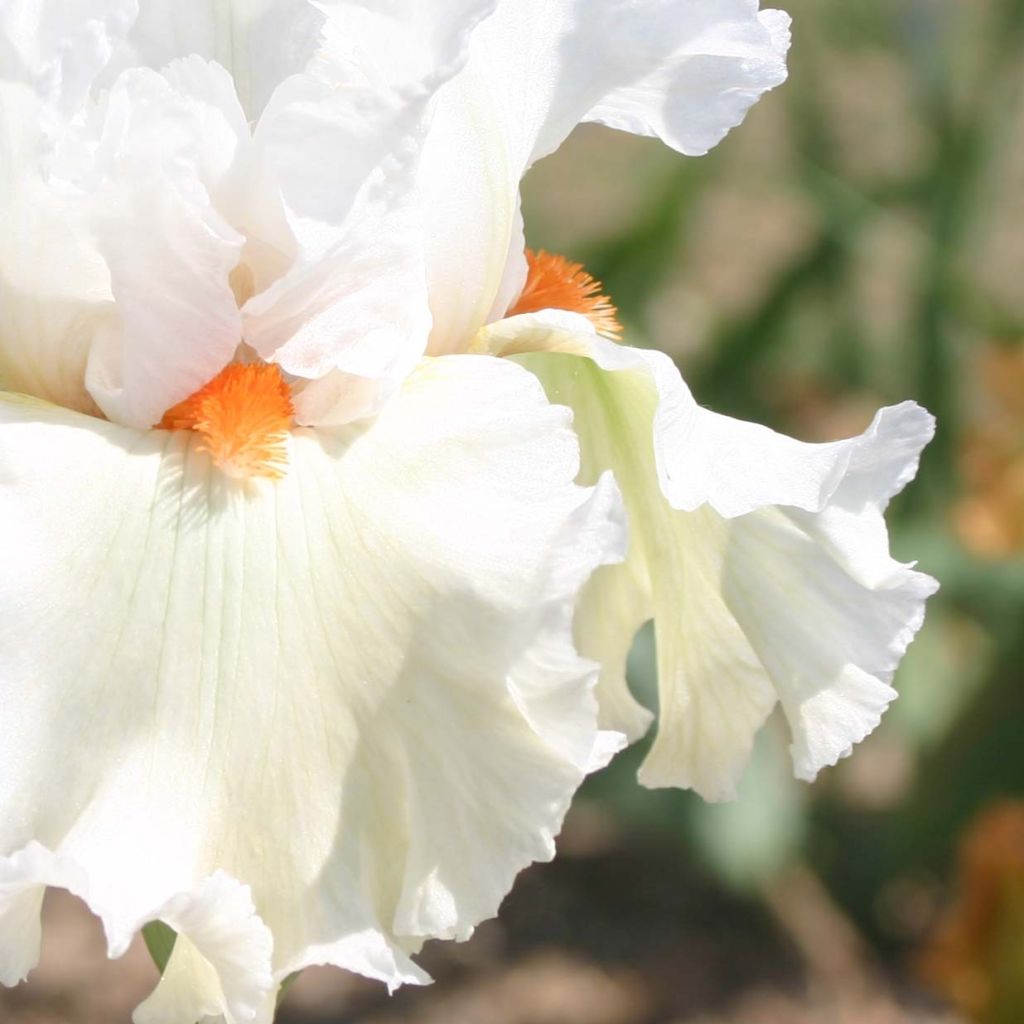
(858, 242)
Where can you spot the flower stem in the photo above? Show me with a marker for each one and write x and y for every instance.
(160, 940)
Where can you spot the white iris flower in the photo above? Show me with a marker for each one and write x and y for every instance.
(292, 548)
(764, 562)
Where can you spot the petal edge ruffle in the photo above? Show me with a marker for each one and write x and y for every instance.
(383, 610)
(763, 561)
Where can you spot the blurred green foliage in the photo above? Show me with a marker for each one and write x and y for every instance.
(860, 240)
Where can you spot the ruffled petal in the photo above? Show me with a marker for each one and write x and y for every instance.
(147, 167)
(615, 603)
(335, 236)
(325, 686)
(59, 49)
(260, 42)
(412, 45)
(358, 104)
(54, 284)
(686, 70)
(358, 311)
(24, 878)
(727, 57)
(763, 561)
(221, 962)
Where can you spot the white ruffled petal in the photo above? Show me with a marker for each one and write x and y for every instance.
(178, 323)
(327, 686)
(335, 236)
(319, 140)
(714, 693)
(704, 458)
(24, 879)
(54, 285)
(686, 70)
(359, 310)
(354, 109)
(728, 56)
(763, 561)
(614, 605)
(221, 962)
(260, 42)
(59, 48)
(338, 398)
(412, 45)
(469, 191)
(833, 652)
(147, 168)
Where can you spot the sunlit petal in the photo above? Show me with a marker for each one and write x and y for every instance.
(686, 70)
(59, 49)
(259, 42)
(335, 160)
(221, 962)
(329, 687)
(54, 284)
(147, 167)
(727, 57)
(763, 561)
(358, 310)
(24, 878)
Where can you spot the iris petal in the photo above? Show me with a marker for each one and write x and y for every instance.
(685, 70)
(327, 687)
(763, 561)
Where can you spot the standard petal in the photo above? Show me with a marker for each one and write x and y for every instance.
(177, 322)
(115, 259)
(59, 49)
(221, 962)
(260, 42)
(763, 561)
(686, 70)
(148, 167)
(357, 105)
(324, 686)
(358, 310)
(728, 56)
(54, 284)
(412, 45)
(335, 237)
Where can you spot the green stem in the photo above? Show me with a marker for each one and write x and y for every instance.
(160, 941)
